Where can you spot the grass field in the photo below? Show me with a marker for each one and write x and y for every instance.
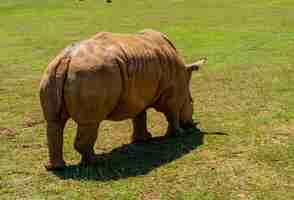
(244, 101)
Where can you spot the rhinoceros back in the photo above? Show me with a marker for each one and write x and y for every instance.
(133, 72)
(148, 63)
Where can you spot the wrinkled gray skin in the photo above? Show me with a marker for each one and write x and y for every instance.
(114, 77)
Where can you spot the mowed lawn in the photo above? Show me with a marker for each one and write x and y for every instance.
(243, 99)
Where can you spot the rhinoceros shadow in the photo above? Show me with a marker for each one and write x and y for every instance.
(136, 158)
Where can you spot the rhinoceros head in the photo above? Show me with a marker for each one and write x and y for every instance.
(186, 120)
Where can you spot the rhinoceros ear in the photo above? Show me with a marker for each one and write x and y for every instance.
(195, 66)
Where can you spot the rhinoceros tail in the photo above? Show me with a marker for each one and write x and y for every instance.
(52, 87)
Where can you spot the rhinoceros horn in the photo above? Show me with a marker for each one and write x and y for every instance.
(195, 66)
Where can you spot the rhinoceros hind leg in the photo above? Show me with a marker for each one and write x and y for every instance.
(84, 142)
(140, 132)
(174, 128)
(55, 144)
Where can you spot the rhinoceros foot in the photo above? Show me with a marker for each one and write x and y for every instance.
(55, 166)
(89, 160)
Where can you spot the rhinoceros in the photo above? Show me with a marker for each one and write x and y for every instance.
(113, 76)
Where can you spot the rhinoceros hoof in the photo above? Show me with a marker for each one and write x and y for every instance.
(89, 161)
(55, 167)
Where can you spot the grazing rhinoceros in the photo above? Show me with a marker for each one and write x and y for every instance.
(114, 77)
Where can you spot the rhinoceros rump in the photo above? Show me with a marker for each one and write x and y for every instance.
(114, 77)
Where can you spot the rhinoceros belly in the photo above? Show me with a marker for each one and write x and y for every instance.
(138, 96)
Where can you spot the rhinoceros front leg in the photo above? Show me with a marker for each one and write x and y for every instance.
(84, 142)
(140, 132)
(55, 144)
(174, 128)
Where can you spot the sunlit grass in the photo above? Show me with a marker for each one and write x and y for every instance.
(243, 101)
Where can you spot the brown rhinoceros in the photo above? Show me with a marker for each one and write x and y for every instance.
(114, 77)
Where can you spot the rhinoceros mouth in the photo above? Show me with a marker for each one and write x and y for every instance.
(188, 125)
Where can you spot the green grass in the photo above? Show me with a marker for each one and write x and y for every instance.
(246, 92)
